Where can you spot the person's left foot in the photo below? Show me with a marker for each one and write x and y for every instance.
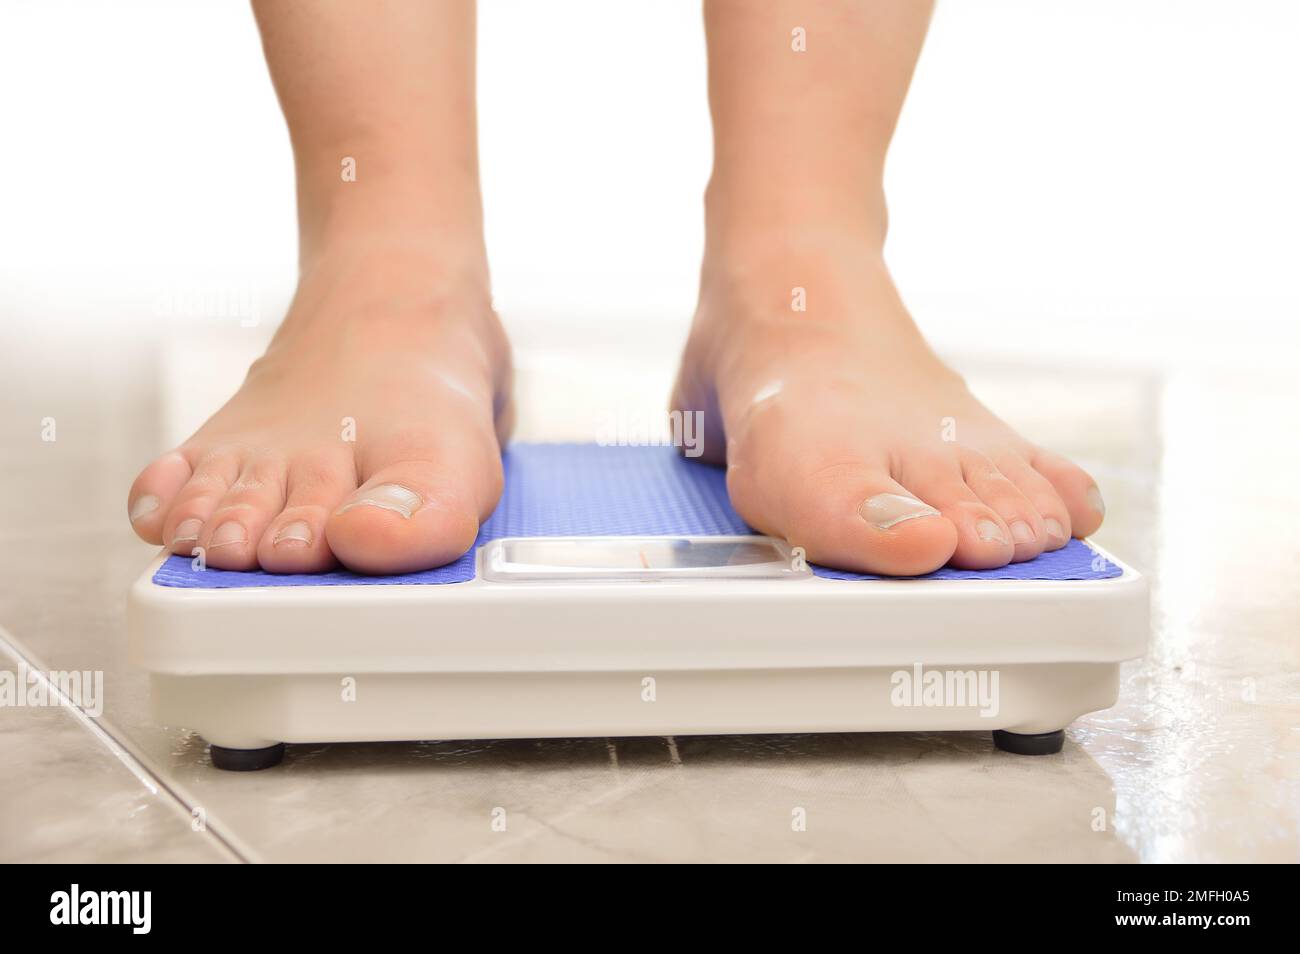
(844, 434)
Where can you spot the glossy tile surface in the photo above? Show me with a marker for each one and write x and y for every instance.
(1200, 760)
(67, 795)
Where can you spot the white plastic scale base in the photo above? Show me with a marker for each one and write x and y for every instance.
(625, 636)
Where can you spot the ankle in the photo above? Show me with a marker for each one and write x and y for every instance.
(392, 285)
(407, 234)
(793, 268)
(418, 241)
(383, 200)
(398, 258)
(813, 285)
(743, 217)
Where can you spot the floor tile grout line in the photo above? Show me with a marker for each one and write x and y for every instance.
(674, 756)
(613, 754)
(551, 824)
(120, 750)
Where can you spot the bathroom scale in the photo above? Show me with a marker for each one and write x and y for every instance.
(615, 592)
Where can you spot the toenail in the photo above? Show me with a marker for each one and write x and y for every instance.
(188, 531)
(143, 507)
(1054, 529)
(229, 532)
(988, 530)
(885, 510)
(392, 497)
(296, 534)
(1022, 532)
(1095, 501)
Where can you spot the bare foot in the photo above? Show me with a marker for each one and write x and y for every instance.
(369, 433)
(843, 433)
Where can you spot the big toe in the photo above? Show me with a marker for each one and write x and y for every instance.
(406, 517)
(851, 516)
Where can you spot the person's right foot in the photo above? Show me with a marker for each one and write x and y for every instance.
(369, 433)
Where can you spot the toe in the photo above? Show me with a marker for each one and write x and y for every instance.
(1076, 488)
(153, 492)
(1027, 527)
(294, 542)
(850, 515)
(1040, 492)
(407, 516)
(232, 531)
(984, 540)
(214, 472)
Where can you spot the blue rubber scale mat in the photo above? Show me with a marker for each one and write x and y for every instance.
(554, 490)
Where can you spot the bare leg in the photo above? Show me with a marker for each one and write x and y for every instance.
(841, 430)
(370, 431)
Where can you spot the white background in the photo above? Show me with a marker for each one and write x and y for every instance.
(1096, 181)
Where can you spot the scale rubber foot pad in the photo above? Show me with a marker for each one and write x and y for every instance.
(1043, 743)
(246, 760)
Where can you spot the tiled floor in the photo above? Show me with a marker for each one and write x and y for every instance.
(70, 793)
(1200, 760)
